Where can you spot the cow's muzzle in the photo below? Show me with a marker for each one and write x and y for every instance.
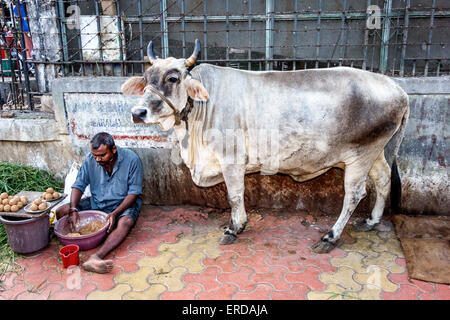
(139, 115)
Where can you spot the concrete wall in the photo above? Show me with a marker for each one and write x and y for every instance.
(85, 106)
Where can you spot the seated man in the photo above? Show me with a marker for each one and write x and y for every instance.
(115, 178)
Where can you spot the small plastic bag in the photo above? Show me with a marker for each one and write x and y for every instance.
(68, 182)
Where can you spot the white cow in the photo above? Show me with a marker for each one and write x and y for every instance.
(300, 123)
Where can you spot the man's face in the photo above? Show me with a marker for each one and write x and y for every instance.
(103, 155)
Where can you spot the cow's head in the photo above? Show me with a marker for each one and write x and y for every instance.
(164, 87)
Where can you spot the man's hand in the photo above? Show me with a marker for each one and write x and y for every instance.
(73, 219)
(111, 218)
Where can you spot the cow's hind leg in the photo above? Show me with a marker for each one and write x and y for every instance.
(381, 177)
(355, 189)
(234, 180)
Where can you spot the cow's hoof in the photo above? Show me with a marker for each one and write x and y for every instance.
(227, 238)
(362, 225)
(242, 228)
(323, 246)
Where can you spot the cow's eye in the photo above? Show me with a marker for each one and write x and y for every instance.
(173, 79)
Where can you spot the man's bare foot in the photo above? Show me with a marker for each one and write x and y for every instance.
(95, 264)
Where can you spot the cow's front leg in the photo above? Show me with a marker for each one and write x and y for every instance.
(234, 180)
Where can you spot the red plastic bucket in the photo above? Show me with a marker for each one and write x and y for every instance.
(69, 255)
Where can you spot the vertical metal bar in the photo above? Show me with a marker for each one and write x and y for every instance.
(227, 22)
(430, 37)
(405, 37)
(80, 46)
(343, 33)
(318, 35)
(141, 36)
(11, 64)
(366, 38)
(205, 36)
(183, 29)
(294, 64)
(373, 51)
(99, 35)
(63, 32)
(164, 29)
(394, 60)
(119, 28)
(269, 34)
(384, 52)
(250, 34)
(25, 65)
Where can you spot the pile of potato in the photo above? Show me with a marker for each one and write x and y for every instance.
(38, 204)
(50, 194)
(11, 204)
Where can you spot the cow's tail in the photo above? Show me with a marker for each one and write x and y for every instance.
(396, 184)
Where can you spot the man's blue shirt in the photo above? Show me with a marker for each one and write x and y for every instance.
(107, 191)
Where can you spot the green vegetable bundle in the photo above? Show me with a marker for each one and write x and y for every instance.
(13, 179)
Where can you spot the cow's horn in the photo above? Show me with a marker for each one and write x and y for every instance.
(191, 60)
(150, 54)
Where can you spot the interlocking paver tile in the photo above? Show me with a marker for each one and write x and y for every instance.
(102, 281)
(225, 292)
(122, 251)
(241, 247)
(207, 278)
(361, 245)
(136, 280)
(172, 279)
(256, 261)
(42, 293)
(367, 292)
(386, 260)
(442, 293)
(192, 262)
(391, 245)
(331, 292)
(261, 292)
(402, 278)
(352, 260)
(149, 248)
(376, 278)
(241, 278)
(288, 260)
(129, 263)
(115, 293)
(308, 277)
(275, 277)
(405, 292)
(296, 292)
(180, 249)
(75, 293)
(343, 276)
(151, 293)
(188, 293)
(224, 261)
(160, 262)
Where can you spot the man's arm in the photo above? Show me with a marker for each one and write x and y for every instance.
(124, 205)
(73, 217)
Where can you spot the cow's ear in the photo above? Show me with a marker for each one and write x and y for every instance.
(196, 90)
(134, 86)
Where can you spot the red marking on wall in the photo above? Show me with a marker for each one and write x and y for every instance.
(81, 136)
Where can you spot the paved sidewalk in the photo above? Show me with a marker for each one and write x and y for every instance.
(173, 253)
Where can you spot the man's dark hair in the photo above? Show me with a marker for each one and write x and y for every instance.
(102, 138)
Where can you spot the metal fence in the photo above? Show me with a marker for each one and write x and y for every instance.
(109, 37)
